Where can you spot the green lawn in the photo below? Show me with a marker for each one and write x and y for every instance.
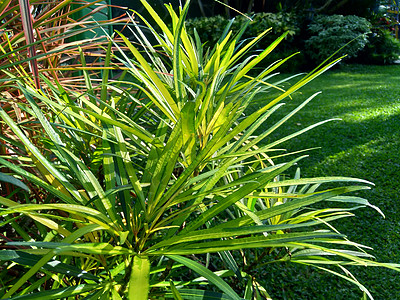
(364, 144)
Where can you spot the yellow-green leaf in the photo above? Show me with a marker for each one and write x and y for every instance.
(139, 280)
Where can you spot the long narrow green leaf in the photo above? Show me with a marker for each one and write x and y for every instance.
(136, 130)
(91, 184)
(108, 161)
(158, 20)
(199, 295)
(127, 166)
(61, 293)
(357, 200)
(39, 218)
(31, 272)
(36, 180)
(177, 63)
(86, 76)
(230, 261)
(248, 46)
(175, 292)
(94, 248)
(210, 276)
(258, 58)
(106, 73)
(291, 206)
(54, 266)
(316, 180)
(249, 243)
(191, 63)
(172, 110)
(227, 232)
(279, 123)
(358, 259)
(164, 169)
(357, 283)
(51, 169)
(14, 181)
(236, 196)
(91, 214)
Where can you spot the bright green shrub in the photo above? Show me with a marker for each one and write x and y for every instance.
(330, 33)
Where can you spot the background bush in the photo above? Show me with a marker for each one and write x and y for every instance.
(315, 39)
(211, 29)
(382, 48)
(329, 33)
(208, 29)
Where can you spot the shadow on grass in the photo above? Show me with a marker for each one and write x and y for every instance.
(365, 144)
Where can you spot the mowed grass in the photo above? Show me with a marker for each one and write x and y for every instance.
(365, 143)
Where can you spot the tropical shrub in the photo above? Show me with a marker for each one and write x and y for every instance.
(158, 186)
(36, 38)
(330, 33)
(40, 38)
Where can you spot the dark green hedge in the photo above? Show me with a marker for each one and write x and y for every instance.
(211, 29)
(316, 39)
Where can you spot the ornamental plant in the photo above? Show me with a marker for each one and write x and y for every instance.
(36, 37)
(158, 187)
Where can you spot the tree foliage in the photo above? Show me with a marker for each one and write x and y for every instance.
(330, 7)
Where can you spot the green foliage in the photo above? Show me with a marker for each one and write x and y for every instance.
(313, 41)
(360, 8)
(159, 187)
(210, 30)
(330, 33)
(382, 48)
(329, 7)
